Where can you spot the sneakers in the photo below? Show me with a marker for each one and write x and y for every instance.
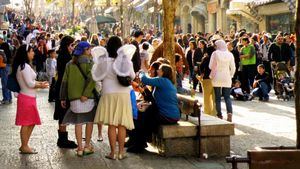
(6, 102)
(251, 97)
(229, 117)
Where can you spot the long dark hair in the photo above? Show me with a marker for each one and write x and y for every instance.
(113, 44)
(155, 65)
(21, 58)
(66, 41)
(203, 42)
(167, 72)
(194, 44)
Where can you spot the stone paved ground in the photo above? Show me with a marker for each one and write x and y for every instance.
(257, 124)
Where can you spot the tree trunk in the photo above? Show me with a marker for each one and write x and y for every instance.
(73, 12)
(169, 8)
(28, 7)
(155, 14)
(297, 76)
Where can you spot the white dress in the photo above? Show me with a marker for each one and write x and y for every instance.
(114, 107)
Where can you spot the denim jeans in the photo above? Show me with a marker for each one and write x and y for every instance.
(262, 91)
(225, 91)
(4, 76)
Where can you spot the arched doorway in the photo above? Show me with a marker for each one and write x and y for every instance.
(199, 14)
(186, 19)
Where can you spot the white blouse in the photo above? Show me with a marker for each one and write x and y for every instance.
(110, 83)
(26, 79)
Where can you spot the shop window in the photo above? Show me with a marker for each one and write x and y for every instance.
(281, 22)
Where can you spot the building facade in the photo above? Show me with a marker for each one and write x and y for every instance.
(203, 15)
(263, 15)
(226, 15)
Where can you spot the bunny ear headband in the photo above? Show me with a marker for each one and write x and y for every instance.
(100, 67)
(123, 64)
(99, 53)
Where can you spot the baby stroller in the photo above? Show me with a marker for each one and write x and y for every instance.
(284, 85)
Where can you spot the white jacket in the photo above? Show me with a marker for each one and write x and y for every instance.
(222, 65)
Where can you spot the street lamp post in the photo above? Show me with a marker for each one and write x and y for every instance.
(121, 18)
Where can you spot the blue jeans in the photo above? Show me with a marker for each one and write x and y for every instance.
(4, 76)
(262, 91)
(225, 91)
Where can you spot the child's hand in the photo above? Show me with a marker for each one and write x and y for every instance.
(83, 98)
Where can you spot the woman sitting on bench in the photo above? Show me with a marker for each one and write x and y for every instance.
(164, 109)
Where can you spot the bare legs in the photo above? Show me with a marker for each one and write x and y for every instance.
(78, 134)
(88, 135)
(113, 136)
(100, 138)
(121, 138)
(62, 128)
(25, 134)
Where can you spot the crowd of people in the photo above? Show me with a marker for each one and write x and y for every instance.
(129, 85)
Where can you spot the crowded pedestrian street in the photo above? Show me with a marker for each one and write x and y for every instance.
(257, 124)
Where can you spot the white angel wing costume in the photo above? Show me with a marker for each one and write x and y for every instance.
(123, 65)
(100, 67)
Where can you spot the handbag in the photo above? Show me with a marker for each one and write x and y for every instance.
(96, 94)
(77, 106)
(143, 106)
(12, 83)
(124, 80)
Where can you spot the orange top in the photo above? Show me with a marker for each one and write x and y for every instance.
(2, 64)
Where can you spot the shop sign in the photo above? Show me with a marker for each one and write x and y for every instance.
(212, 7)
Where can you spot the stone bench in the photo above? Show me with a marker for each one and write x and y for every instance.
(182, 139)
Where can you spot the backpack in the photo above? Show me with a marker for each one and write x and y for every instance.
(12, 83)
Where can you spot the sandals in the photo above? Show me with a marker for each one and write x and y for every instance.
(33, 151)
(122, 156)
(110, 157)
(88, 151)
(80, 153)
(100, 139)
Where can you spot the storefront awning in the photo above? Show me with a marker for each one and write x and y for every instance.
(100, 19)
(133, 3)
(290, 3)
(200, 10)
(141, 6)
(4, 2)
(110, 10)
(242, 13)
(261, 2)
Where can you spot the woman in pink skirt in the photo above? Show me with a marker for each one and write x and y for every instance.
(27, 114)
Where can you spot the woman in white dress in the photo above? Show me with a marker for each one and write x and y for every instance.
(114, 108)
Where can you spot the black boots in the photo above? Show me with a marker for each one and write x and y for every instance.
(63, 141)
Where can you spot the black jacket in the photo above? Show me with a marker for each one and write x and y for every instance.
(279, 54)
(194, 61)
(5, 46)
(264, 78)
(204, 67)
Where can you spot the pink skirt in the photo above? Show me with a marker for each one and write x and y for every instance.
(27, 112)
